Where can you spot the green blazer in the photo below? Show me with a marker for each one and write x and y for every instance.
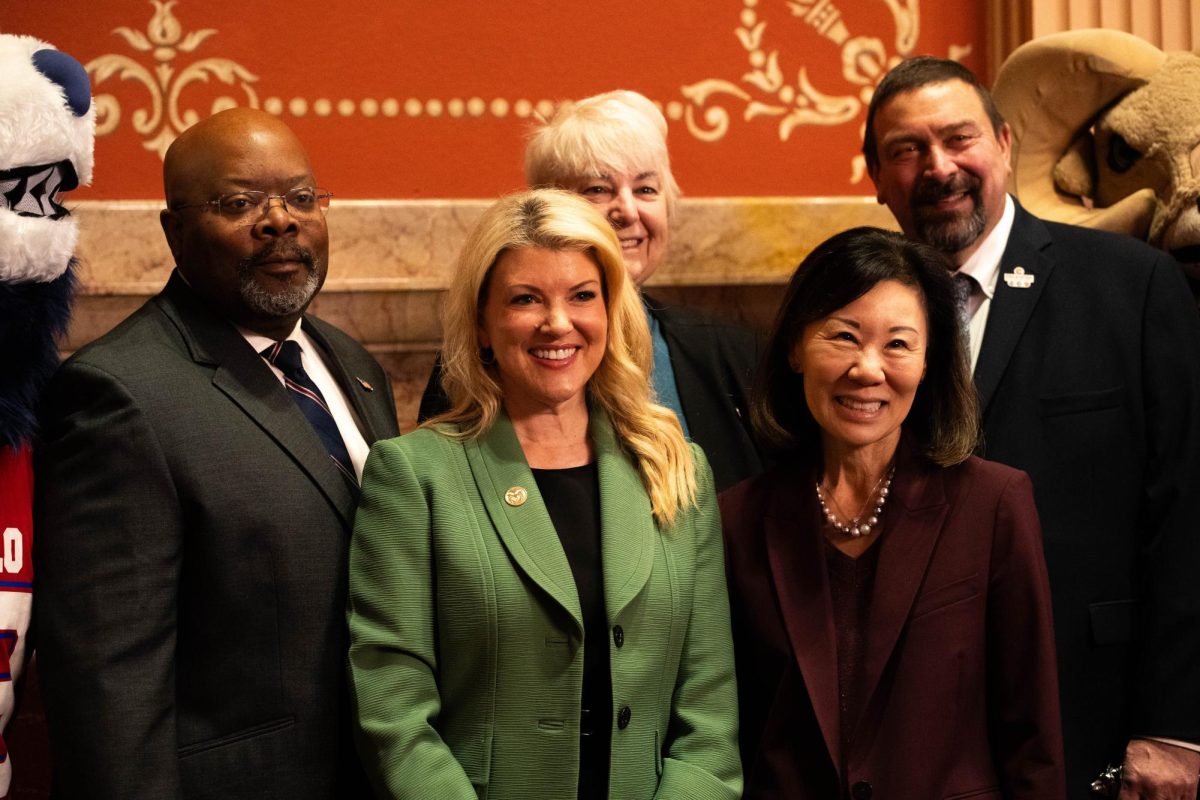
(466, 657)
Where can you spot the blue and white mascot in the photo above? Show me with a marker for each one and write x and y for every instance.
(47, 129)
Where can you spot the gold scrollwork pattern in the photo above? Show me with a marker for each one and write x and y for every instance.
(165, 117)
(765, 92)
(707, 109)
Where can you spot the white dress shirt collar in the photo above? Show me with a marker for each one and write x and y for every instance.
(339, 405)
(984, 263)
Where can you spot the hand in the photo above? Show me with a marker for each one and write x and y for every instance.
(1159, 771)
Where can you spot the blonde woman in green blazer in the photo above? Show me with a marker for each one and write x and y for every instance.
(537, 591)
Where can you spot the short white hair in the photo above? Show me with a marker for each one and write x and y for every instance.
(619, 131)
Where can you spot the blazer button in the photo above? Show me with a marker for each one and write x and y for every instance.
(623, 717)
(618, 636)
(861, 791)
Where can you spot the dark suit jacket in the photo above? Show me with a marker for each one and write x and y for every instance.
(714, 363)
(1090, 382)
(191, 565)
(963, 698)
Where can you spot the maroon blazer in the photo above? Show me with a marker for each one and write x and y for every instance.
(963, 697)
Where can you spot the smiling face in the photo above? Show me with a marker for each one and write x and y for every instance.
(634, 202)
(861, 367)
(942, 169)
(545, 320)
(259, 273)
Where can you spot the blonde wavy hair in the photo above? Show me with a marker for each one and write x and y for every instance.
(619, 131)
(558, 220)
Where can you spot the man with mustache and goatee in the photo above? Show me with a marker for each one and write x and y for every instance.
(1086, 354)
(195, 499)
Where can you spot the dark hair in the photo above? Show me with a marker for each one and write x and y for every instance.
(912, 74)
(944, 416)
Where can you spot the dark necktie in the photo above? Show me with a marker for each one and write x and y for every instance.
(286, 356)
(964, 287)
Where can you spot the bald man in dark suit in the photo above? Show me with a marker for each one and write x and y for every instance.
(194, 520)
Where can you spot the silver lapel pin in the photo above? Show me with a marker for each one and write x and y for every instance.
(1018, 278)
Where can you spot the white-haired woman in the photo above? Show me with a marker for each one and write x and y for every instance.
(538, 605)
(612, 149)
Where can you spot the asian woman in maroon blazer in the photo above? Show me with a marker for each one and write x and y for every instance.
(891, 612)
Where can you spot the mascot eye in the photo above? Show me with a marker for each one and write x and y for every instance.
(1121, 155)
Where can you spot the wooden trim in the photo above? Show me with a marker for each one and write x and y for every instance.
(1009, 26)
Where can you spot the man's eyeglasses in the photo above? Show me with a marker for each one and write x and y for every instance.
(304, 202)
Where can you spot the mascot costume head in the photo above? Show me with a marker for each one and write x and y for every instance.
(1106, 134)
(47, 128)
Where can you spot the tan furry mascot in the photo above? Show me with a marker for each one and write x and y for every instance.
(47, 128)
(1106, 134)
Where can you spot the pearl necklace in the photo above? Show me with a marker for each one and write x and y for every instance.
(854, 527)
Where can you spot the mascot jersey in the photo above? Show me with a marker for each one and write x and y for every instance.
(16, 577)
(47, 128)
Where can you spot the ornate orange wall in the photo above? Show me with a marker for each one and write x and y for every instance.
(432, 100)
(415, 113)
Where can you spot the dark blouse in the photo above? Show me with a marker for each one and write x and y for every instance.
(850, 583)
(572, 497)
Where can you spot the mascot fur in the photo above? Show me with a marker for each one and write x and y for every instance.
(47, 128)
(1106, 134)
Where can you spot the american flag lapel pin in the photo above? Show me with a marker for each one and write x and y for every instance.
(364, 384)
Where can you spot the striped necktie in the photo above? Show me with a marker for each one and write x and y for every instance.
(286, 356)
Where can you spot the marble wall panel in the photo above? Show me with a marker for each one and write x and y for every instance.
(390, 262)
